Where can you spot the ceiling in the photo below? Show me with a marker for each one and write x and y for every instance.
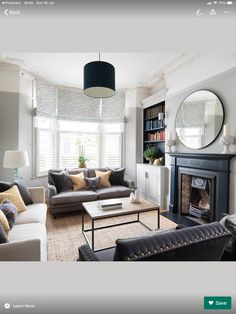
(132, 69)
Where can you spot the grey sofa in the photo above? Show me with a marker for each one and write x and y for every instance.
(28, 238)
(69, 201)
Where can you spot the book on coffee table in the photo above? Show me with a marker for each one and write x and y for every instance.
(110, 204)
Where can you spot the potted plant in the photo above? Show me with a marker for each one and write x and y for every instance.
(82, 161)
(151, 153)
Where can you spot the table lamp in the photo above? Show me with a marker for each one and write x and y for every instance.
(15, 159)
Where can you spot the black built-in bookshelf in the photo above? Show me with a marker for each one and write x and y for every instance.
(153, 128)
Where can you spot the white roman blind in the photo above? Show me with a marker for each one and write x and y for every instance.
(46, 98)
(76, 106)
(113, 108)
(45, 145)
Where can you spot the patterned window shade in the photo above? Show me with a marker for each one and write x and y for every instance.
(46, 98)
(113, 108)
(75, 105)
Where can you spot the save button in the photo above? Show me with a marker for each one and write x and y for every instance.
(217, 303)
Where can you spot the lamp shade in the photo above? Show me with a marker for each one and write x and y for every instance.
(99, 79)
(15, 159)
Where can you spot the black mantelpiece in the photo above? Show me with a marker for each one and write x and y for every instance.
(216, 165)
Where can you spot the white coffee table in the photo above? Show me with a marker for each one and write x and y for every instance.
(95, 213)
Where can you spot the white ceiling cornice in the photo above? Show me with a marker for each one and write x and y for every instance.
(177, 64)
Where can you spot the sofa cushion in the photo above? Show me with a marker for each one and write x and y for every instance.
(113, 192)
(5, 186)
(92, 183)
(91, 172)
(4, 222)
(73, 197)
(3, 235)
(117, 176)
(30, 231)
(10, 211)
(103, 178)
(61, 181)
(19, 182)
(14, 196)
(35, 213)
(78, 181)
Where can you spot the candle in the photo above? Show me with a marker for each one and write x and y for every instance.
(226, 130)
(169, 136)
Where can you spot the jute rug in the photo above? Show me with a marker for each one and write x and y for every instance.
(65, 236)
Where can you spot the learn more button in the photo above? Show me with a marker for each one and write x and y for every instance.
(217, 303)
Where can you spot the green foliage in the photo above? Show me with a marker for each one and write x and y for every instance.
(82, 159)
(151, 152)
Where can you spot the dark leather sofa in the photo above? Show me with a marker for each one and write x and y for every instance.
(198, 243)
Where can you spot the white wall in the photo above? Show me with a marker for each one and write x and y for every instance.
(134, 130)
(224, 86)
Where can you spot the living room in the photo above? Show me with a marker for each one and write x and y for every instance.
(67, 139)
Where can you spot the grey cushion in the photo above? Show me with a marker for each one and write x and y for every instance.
(113, 192)
(61, 181)
(3, 236)
(92, 183)
(73, 197)
(70, 171)
(5, 186)
(117, 176)
(19, 182)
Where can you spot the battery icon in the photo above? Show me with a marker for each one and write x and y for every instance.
(229, 2)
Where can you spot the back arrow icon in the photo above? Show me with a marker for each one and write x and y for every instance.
(6, 12)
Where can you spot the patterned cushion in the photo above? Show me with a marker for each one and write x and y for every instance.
(78, 181)
(117, 176)
(9, 211)
(4, 222)
(23, 191)
(92, 183)
(14, 196)
(104, 178)
(3, 236)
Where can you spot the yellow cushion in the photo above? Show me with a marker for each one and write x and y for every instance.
(78, 181)
(104, 178)
(14, 196)
(4, 222)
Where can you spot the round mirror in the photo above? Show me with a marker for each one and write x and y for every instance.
(199, 119)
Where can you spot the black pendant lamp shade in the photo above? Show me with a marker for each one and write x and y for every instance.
(99, 79)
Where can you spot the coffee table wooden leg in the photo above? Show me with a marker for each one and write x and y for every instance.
(158, 218)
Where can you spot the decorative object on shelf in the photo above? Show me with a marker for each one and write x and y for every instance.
(226, 139)
(99, 79)
(136, 196)
(199, 119)
(132, 197)
(151, 153)
(15, 159)
(170, 142)
(82, 161)
(159, 161)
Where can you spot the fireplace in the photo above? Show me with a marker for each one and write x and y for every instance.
(197, 198)
(199, 189)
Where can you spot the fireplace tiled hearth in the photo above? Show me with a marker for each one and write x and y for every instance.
(199, 189)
